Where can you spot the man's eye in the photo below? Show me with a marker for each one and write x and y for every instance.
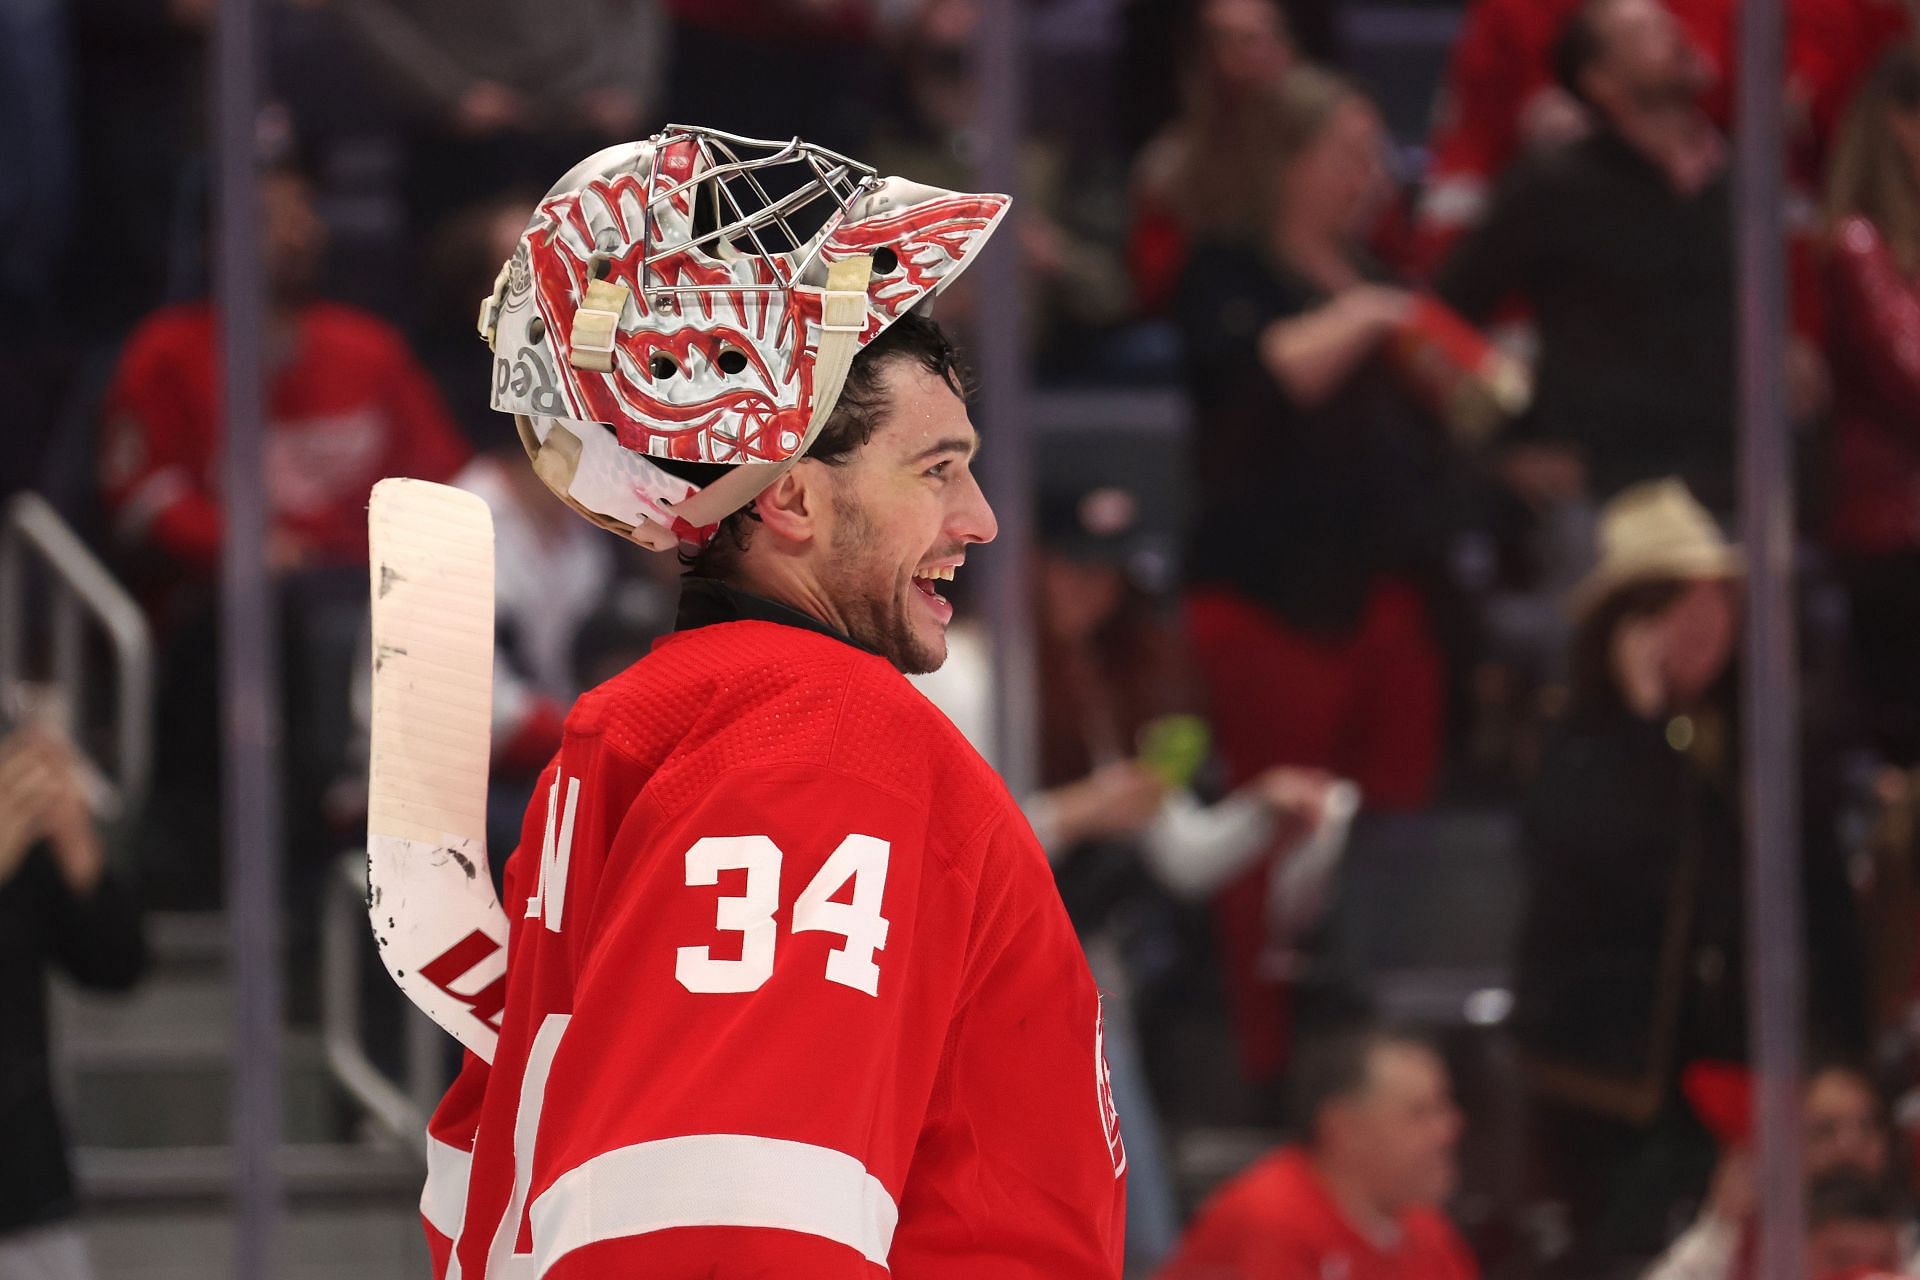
(939, 469)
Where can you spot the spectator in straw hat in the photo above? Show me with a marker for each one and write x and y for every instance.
(1631, 961)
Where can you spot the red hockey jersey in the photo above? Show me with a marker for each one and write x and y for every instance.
(346, 405)
(793, 995)
(1278, 1221)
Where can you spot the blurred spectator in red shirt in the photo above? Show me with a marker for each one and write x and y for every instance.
(1499, 98)
(346, 403)
(1872, 272)
(1359, 1197)
(1201, 175)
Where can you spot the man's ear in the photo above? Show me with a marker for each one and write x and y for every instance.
(794, 508)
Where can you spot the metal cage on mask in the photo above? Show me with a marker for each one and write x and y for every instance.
(671, 303)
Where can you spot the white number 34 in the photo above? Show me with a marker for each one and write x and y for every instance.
(861, 859)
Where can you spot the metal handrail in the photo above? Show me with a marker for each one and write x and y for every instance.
(399, 1108)
(80, 583)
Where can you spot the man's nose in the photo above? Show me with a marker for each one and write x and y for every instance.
(973, 520)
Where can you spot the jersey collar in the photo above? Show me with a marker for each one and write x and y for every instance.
(706, 601)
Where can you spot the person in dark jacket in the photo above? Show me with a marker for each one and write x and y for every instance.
(1632, 952)
(1621, 245)
(1318, 496)
(60, 906)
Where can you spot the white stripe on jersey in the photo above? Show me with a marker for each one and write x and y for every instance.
(443, 1201)
(715, 1180)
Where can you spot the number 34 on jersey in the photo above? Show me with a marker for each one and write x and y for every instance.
(859, 860)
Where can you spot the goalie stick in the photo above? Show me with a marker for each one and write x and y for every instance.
(439, 926)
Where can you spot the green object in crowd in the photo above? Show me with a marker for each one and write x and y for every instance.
(1175, 747)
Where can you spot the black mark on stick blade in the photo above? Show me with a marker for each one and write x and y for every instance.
(387, 578)
(466, 863)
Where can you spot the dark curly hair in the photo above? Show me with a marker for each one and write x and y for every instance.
(856, 416)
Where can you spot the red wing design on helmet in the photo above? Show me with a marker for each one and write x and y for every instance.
(668, 394)
(671, 392)
(931, 241)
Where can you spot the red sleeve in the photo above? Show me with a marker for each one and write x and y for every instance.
(1476, 119)
(762, 990)
(453, 1131)
(1876, 313)
(1806, 302)
(153, 455)
(1156, 254)
(426, 444)
(450, 1138)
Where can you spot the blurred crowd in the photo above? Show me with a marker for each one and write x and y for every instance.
(1429, 578)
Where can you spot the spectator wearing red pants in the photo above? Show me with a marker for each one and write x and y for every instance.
(1359, 1197)
(1318, 504)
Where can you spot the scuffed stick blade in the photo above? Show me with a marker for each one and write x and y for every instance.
(430, 897)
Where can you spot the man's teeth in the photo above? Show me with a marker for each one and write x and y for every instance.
(942, 574)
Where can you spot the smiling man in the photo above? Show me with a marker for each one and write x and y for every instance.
(860, 536)
(789, 989)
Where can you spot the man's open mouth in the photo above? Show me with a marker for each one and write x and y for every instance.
(927, 578)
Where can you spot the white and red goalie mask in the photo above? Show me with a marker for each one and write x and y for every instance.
(682, 298)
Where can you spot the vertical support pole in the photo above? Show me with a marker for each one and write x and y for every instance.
(13, 613)
(1007, 461)
(1771, 686)
(69, 655)
(249, 685)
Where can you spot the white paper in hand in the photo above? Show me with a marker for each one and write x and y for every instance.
(1300, 886)
(430, 898)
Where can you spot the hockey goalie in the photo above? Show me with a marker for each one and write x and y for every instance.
(782, 985)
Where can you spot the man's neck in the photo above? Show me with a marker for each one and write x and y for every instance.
(1676, 138)
(1361, 1210)
(794, 590)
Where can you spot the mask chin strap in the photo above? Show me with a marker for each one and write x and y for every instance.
(843, 318)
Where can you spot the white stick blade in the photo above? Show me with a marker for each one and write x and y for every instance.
(441, 931)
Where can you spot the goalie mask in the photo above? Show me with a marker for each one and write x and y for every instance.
(679, 301)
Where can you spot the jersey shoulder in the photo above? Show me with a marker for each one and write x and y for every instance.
(892, 735)
(338, 331)
(749, 694)
(178, 332)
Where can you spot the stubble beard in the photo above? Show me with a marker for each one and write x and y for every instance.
(859, 585)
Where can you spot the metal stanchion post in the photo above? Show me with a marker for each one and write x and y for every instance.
(1007, 470)
(250, 702)
(1771, 685)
